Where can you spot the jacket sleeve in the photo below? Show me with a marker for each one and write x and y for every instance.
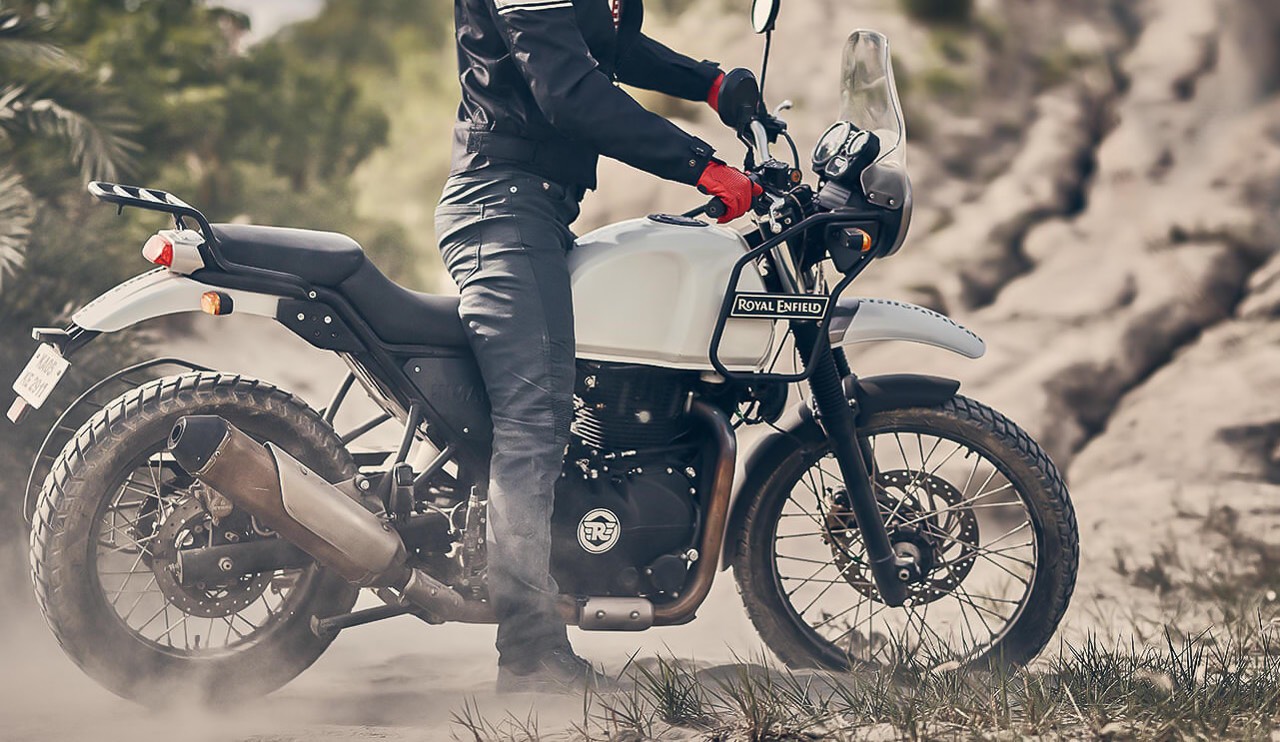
(582, 102)
(650, 65)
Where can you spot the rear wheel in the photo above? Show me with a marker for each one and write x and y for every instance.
(968, 498)
(115, 512)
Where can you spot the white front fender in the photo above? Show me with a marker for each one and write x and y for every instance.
(857, 320)
(158, 293)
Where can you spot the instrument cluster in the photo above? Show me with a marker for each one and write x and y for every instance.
(844, 149)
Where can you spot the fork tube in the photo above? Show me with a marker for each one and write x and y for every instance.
(837, 418)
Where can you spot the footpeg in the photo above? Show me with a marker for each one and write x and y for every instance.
(428, 594)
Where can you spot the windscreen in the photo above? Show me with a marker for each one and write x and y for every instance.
(869, 96)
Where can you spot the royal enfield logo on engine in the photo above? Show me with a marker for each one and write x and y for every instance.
(779, 306)
(598, 531)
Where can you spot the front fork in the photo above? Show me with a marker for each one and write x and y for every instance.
(838, 420)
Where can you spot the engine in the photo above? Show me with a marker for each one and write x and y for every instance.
(626, 507)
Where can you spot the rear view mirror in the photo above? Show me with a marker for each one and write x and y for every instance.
(764, 14)
(739, 98)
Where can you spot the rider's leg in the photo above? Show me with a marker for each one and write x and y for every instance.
(504, 236)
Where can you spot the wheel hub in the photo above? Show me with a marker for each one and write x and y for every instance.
(188, 526)
(932, 534)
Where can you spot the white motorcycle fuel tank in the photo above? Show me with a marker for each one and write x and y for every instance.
(649, 291)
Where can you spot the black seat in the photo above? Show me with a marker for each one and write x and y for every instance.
(321, 258)
(396, 314)
(400, 316)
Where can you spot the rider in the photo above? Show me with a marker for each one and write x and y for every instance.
(540, 104)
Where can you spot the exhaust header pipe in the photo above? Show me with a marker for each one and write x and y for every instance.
(305, 510)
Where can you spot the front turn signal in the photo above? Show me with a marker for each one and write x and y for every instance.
(216, 303)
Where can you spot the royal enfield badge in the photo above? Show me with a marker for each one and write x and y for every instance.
(598, 531)
(780, 306)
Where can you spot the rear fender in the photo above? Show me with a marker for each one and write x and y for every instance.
(159, 293)
(799, 429)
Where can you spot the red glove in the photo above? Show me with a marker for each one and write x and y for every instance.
(713, 97)
(730, 185)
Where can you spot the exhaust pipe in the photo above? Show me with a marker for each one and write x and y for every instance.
(305, 510)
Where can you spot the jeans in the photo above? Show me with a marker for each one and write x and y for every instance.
(504, 235)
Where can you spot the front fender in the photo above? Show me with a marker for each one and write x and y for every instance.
(158, 293)
(862, 320)
(798, 429)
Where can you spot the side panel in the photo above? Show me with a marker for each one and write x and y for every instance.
(650, 292)
(453, 386)
(870, 320)
(799, 429)
(159, 293)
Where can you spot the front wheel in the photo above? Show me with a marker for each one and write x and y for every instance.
(971, 503)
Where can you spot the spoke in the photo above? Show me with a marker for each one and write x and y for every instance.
(812, 517)
(979, 551)
(963, 504)
(979, 609)
(911, 611)
(182, 621)
(133, 568)
(973, 636)
(153, 618)
(143, 593)
(883, 607)
(840, 574)
(806, 580)
(905, 464)
(829, 619)
(1023, 525)
(801, 559)
(231, 626)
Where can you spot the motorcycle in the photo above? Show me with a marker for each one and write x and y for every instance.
(213, 530)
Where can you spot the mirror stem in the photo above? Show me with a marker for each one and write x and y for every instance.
(764, 66)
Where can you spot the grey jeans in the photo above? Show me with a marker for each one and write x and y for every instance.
(504, 235)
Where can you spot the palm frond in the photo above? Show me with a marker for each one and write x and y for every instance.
(98, 149)
(17, 211)
(23, 44)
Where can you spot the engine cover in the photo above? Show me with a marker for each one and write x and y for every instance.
(607, 530)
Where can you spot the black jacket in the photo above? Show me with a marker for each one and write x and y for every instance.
(538, 89)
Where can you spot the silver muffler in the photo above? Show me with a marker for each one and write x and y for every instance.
(318, 517)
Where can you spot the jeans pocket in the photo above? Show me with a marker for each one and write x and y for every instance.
(458, 233)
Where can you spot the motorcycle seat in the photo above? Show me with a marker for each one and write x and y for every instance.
(320, 258)
(397, 315)
(401, 316)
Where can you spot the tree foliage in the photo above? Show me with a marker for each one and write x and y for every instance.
(269, 134)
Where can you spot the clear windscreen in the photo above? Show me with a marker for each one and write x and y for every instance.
(869, 96)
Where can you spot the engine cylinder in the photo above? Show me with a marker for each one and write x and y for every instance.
(630, 408)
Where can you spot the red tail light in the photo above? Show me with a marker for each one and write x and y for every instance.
(158, 250)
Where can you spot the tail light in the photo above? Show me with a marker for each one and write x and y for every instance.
(175, 249)
(159, 250)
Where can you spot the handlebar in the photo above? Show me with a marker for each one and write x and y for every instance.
(715, 208)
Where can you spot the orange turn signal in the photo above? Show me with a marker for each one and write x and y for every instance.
(866, 238)
(216, 303)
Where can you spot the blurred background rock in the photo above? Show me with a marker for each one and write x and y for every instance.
(1098, 195)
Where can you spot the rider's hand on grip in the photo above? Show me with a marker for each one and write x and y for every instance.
(731, 186)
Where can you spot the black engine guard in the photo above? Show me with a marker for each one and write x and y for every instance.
(799, 429)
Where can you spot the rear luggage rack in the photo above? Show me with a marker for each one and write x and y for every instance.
(152, 200)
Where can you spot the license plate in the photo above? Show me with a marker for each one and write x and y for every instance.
(42, 374)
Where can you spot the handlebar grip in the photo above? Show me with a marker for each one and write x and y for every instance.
(716, 208)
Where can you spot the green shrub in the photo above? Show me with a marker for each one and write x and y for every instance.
(939, 11)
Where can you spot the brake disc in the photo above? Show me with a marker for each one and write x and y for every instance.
(926, 523)
(187, 527)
